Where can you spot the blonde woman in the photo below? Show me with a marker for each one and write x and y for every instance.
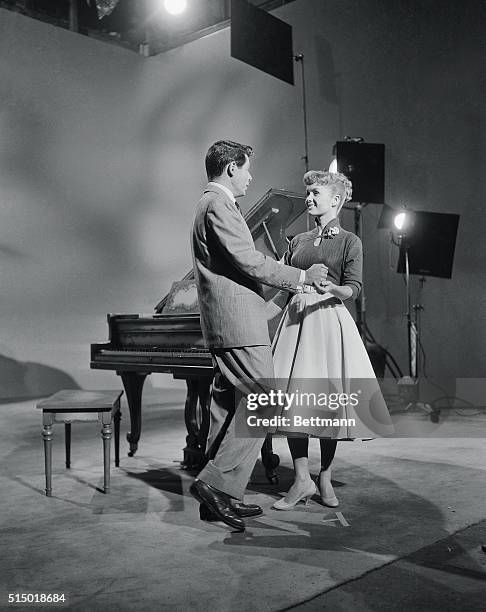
(318, 342)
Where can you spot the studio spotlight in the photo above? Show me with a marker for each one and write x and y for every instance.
(400, 220)
(403, 222)
(175, 7)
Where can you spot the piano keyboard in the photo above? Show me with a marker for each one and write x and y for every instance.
(192, 361)
(156, 352)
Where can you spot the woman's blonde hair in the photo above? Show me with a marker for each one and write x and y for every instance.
(340, 183)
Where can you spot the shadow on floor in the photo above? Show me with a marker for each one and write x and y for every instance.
(27, 380)
(374, 505)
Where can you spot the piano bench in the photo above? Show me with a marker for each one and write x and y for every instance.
(68, 406)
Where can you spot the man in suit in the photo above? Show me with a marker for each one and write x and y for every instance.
(229, 272)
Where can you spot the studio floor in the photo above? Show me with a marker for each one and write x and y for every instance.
(407, 534)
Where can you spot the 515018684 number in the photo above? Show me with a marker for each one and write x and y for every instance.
(33, 598)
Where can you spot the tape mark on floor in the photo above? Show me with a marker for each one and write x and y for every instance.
(340, 518)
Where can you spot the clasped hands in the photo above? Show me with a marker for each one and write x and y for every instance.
(316, 275)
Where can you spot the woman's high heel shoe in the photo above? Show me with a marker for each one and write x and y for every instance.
(331, 501)
(281, 504)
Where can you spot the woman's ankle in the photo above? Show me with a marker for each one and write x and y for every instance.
(302, 478)
(300, 486)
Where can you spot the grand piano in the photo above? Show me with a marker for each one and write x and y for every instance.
(170, 341)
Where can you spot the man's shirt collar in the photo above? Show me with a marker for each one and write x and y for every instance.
(227, 191)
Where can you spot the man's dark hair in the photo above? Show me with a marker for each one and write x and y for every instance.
(222, 153)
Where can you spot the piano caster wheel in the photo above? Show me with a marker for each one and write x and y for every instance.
(273, 479)
(133, 446)
(272, 465)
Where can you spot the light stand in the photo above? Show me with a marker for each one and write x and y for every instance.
(376, 353)
(300, 60)
(412, 345)
(409, 386)
(417, 310)
(363, 164)
(426, 241)
(361, 299)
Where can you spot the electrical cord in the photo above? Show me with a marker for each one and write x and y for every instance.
(454, 397)
(448, 398)
(395, 370)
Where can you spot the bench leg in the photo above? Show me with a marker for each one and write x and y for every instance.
(106, 435)
(67, 443)
(117, 419)
(47, 435)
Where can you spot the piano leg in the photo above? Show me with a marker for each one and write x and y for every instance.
(197, 419)
(270, 460)
(204, 396)
(133, 383)
(196, 416)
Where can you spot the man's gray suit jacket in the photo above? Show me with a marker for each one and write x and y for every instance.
(229, 272)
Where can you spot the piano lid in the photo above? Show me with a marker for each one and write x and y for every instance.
(273, 220)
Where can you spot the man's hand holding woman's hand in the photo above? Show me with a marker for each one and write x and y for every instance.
(340, 291)
(316, 275)
(326, 287)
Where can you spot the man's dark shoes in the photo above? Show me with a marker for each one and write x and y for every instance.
(219, 504)
(242, 510)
